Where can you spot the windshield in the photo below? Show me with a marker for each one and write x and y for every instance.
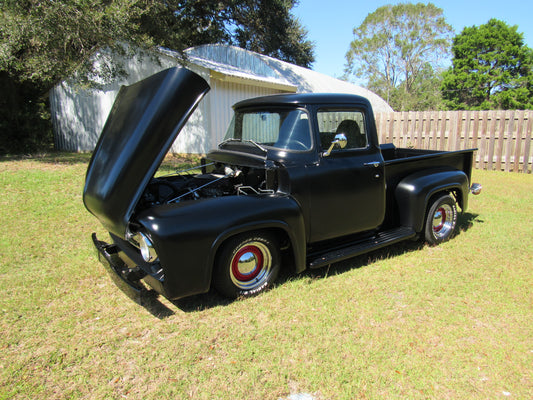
(282, 129)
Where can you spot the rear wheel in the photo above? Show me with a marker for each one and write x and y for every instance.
(441, 220)
(247, 265)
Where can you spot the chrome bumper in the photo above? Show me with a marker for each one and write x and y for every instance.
(476, 188)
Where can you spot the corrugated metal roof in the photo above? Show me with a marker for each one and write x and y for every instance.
(247, 65)
(245, 72)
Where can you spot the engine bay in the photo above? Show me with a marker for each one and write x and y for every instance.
(214, 180)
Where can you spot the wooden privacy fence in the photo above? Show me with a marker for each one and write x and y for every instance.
(503, 138)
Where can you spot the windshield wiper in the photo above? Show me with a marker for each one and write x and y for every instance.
(229, 141)
(243, 141)
(257, 145)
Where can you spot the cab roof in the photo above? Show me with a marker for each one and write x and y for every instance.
(326, 99)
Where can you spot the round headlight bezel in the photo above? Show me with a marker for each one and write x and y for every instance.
(146, 247)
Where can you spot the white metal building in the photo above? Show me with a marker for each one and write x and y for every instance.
(234, 74)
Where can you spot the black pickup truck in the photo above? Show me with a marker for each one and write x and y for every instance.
(299, 178)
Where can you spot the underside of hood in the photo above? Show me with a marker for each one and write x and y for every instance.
(145, 120)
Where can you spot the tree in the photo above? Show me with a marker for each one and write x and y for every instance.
(40, 43)
(425, 92)
(395, 46)
(268, 28)
(264, 26)
(43, 42)
(178, 24)
(491, 69)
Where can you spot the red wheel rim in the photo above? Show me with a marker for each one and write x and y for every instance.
(247, 263)
(443, 221)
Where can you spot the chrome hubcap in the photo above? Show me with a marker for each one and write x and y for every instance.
(443, 221)
(251, 265)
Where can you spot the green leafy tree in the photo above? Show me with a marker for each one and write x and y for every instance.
(178, 24)
(43, 42)
(263, 26)
(491, 69)
(395, 47)
(267, 27)
(425, 93)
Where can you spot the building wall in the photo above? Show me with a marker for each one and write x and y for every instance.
(78, 116)
(79, 113)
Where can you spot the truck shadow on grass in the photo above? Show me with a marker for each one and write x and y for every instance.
(464, 222)
(212, 299)
(200, 302)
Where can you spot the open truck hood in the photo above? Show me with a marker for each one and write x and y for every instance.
(145, 120)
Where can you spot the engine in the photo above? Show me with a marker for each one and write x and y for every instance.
(221, 180)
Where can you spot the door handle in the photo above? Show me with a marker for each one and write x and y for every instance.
(374, 164)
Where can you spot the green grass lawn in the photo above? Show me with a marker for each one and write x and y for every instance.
(410, 322)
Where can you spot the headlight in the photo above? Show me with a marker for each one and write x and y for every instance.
(147, 248)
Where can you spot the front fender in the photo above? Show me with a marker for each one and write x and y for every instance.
(414, 192)
(187, 235)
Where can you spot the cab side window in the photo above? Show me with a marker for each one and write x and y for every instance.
(351, 123)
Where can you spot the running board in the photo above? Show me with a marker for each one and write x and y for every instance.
(382, 239)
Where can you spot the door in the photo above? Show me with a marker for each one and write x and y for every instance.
(346, 186)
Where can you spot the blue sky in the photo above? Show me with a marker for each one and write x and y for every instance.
(330, 23)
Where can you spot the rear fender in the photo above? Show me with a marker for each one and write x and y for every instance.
(414, 192)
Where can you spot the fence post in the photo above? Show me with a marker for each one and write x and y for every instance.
(527, 143)
(475, 130)
(510, 137)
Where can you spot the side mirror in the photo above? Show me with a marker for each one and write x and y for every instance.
(339, 141)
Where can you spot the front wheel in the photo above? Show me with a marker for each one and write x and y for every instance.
(247, 265)
(441, 220)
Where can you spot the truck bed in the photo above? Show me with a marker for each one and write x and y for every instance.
(402, 161)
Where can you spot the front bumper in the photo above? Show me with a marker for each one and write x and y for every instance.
(128, 280)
